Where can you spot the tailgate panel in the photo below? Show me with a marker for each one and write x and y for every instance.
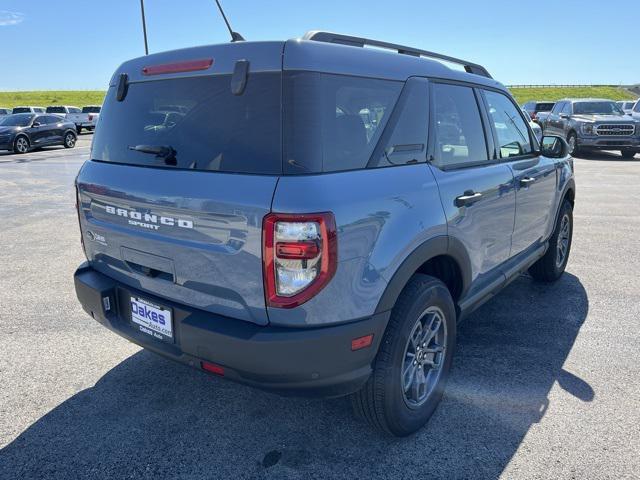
(191, 237)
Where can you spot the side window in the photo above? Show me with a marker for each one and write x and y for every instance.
(41, 119)
(567, 108)
(511, 129)
(405, 137)
(557, 107)
(459, 136)
(74, 110)
(53, 119)
(637, 107)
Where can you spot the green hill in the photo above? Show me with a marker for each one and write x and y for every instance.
(523, 95)
(78, 98)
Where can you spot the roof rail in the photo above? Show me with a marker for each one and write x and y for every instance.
(329, 37)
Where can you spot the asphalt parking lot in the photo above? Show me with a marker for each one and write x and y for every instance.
(546, 380)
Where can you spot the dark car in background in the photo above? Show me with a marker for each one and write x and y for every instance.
(594, 124)
(5, 111)
(22, 132)
(538, 110)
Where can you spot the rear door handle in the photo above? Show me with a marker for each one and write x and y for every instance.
(526, 181)
(467, 198)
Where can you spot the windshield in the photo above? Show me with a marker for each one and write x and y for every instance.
(56, 110)
(19, 120)
(90, 109)
(195, 123)
(597, 108)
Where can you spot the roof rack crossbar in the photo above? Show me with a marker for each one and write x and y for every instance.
(330, 37)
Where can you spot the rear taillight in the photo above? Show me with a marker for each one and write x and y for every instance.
(79, 223)
(300, 255)
(90, 118)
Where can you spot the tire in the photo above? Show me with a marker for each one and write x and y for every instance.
(21, 145)
(627, 153)
(383, 401)
(573, 147)
(78, 129)
(552, 265)
(69, 140)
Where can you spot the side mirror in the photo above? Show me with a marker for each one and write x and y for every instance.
(554, 147)
(36, 124)
(564, 115)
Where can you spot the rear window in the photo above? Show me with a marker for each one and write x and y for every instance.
(333, 122)
(22, 110)
(544, 107)
(56, 110)
(194, 123)
(90, 109)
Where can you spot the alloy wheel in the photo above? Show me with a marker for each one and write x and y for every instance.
(70, 140)
(424, 357)
(22, 145)
(562, 247)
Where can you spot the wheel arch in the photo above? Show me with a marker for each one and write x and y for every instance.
(442, 257)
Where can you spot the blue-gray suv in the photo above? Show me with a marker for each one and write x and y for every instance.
(314, 217)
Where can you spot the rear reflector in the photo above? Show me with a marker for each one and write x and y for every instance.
(212, 368)
(361, 342)
(188, 66)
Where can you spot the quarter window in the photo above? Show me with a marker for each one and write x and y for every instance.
(511, 130)
(459, 135)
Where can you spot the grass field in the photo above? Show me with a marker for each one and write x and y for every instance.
(78, 98)
(523, 95)
(81, 98)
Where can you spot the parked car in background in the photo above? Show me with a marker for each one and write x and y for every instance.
(22, 132)
(635, 111)
(5, 111)
(594, 124)
(87, 118)
(538, 110)
(626, 106)
(62, 110)
(292, 229)
(537, 129)
(28, 110)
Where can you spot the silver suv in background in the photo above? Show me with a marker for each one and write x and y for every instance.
(594, 124)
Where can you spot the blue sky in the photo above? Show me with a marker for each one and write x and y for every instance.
(77, 44)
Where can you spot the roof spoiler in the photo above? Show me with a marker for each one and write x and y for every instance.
(329, 37)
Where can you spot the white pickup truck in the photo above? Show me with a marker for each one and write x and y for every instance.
(87, 118)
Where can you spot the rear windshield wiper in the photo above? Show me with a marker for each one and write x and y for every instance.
(166, 152)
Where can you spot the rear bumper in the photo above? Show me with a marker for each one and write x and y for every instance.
(295, 361)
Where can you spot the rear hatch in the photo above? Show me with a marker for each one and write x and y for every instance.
(183, 169)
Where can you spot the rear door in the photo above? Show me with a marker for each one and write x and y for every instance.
(55, 127)
(534, 174)
(476, 191)
(183, 171)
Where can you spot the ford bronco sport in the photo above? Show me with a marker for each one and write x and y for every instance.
(314, 217)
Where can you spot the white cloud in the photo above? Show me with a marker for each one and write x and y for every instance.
(10, 18)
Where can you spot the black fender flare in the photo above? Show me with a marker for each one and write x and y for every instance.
(436, 246)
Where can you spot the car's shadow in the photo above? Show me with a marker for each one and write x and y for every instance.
(151, 418)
